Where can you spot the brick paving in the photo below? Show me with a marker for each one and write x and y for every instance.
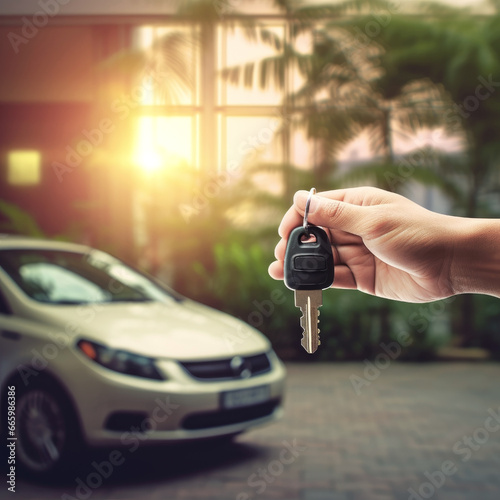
(412, 423)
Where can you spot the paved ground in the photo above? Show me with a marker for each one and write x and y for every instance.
(432, 428)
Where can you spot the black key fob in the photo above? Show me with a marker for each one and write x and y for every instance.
(309, 265)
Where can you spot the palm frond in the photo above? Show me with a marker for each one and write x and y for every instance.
(439, 9)
(166, 65)
(270, 38)
(329, 11)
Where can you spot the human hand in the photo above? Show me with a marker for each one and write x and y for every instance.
(383, 244)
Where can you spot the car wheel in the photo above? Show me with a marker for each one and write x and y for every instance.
(47, 432)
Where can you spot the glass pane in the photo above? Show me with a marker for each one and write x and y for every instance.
(169, 57)
(164, 141)
(303, 44)
(301, 149)
(61, 277)
(252, 139)
(255, 7)
(236, 51)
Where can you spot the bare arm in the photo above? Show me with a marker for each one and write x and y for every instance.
(388, 246)
(476, 263)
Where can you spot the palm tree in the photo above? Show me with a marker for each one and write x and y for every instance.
(344, 91)
(466, 66)
(468, 57)
(419, 71)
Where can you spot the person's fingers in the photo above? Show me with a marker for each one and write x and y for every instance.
(361, 196)
(343, 245)
(343, 275)
(291, 220)
(331, 213)
(343, 278)
(276, 270)
(280, 250)
(352, 255)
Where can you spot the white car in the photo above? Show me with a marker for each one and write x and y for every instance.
(95, 352)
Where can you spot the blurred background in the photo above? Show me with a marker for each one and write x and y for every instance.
(173, 134)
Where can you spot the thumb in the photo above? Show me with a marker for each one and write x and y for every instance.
(331, 213)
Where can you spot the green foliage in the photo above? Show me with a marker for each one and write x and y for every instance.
(468, 56)
(353, 325)
(18, 221)
(488, 324)
(398, 81)
(357, 326)
(408, 77)
(239, 284)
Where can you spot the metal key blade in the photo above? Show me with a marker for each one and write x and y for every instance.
(309, 301)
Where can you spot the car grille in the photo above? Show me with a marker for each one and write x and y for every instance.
(230, 368)
(220, 418)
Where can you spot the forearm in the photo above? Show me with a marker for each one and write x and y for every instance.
(476, 256)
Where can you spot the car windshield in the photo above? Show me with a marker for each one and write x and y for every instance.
(63, 277)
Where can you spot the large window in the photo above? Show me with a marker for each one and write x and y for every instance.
(201, 118)
(238, 48)
(168, 121)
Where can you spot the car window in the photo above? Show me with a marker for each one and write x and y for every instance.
(61, 277)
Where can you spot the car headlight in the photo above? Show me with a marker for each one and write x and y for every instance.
(120, 361)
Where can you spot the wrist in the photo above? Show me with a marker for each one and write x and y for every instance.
(476, 256)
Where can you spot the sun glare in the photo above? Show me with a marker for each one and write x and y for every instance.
(161, 141)
(164, 142)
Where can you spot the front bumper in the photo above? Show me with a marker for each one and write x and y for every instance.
(118, 409)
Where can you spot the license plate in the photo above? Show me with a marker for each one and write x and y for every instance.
(245, 397)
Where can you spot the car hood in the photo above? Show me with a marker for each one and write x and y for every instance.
(177, 330)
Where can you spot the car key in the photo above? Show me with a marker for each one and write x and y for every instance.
(309, 269)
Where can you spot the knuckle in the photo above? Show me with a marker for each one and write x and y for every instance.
(334, 211)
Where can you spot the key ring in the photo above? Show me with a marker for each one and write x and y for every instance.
(306, 212)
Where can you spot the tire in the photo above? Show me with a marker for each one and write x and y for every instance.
(48, 435)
